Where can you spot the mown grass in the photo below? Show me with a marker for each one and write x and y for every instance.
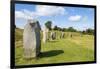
(69, 49)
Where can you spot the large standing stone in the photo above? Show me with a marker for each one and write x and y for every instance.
(62, 35)
(53, 35)
(45, 34)
(31, 39)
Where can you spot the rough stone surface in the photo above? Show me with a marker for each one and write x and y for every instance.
(62, 35)
(53, 35)
(45, 34)
(31, 39)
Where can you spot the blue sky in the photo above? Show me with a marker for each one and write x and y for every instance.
(77, 17)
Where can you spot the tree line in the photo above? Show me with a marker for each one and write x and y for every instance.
(88, 31)
(48, 24)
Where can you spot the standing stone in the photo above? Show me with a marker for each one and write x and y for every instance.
(31, 39)
(45, 34)
(53, 35)
(62, 35)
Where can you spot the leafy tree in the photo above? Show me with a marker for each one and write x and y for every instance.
(84, 32)
(48, 24)
(71, 29)
(55, 28)
(88, 31)
(64, 29)
(60, 29)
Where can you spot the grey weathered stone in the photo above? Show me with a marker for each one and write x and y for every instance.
(31, 39)
(45, 34)
(53, 35)
(62, 35)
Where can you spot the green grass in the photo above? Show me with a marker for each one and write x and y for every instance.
(75, 49)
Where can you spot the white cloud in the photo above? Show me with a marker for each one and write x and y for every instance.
(75, 18)
(40, 10)
(43, 10)
(25, 14)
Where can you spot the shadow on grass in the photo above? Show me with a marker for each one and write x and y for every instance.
(50, 53)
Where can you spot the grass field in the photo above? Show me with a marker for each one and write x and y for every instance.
(75, 49)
